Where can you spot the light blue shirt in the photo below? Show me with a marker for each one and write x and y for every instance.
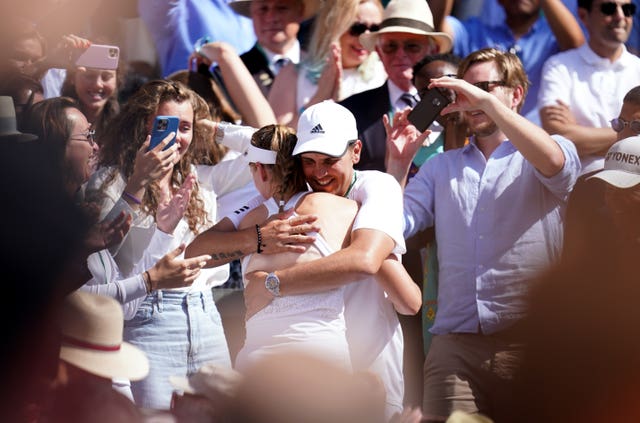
(533, 49)
(176, 25)
(498, 223)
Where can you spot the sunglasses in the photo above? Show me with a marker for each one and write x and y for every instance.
(489, 85)
(611, 7)
(409, 47)
(359, 28)
(618, 124)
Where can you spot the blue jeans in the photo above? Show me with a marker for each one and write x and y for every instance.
(179, 332)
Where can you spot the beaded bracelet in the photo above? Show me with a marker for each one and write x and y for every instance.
(259, 239)
(132, 197)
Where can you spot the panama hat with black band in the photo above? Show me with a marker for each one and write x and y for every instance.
(409, 17)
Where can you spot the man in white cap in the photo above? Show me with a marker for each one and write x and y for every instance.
(328, 147)
(405, 36)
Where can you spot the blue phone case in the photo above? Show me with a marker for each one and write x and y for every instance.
(162, 126)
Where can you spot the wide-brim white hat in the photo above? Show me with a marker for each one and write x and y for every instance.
(409, 17)
(622, 164)
(91, 327)
(243, 7)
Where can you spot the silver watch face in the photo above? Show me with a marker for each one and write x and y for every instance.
(272, 283)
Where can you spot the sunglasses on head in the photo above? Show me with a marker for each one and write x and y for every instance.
(489, 85)
(359, 28)
(618, 124)
(609, 8)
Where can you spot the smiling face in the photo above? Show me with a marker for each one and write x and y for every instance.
(81, 152)
(94, 87)
(276, 23)
(606, 33)
(353, 53)
(184, 112)
(331, 174)
(399, 52)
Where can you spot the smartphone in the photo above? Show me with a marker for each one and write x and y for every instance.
(162, 126)
(428, 109)
(99, 56)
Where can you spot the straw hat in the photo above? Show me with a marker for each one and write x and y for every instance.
(8, 126)
(91, 327)
(243, 7)
(410, 17)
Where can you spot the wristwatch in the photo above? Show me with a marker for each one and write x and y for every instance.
(272, 283)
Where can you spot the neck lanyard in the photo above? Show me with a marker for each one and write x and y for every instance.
(353, 181)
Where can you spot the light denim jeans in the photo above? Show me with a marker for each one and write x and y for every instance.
(179, 332)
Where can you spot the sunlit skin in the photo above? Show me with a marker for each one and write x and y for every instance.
(184, 112)
(606, 33)
(399, 65)
(93, 88)
(353, 52)
(276, 23)
(331, 174)
(479, 123)
(81, 155)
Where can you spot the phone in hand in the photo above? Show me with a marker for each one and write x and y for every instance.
(99, 56)
(428, 109)
(163, 126)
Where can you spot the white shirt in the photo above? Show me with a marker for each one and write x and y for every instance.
(591, 85)
(293, 54)
(395, 95)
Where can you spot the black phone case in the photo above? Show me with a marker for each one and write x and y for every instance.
(428, 109)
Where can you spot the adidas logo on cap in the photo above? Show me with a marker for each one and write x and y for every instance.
(317, 129)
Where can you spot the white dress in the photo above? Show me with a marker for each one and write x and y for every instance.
(311, 323)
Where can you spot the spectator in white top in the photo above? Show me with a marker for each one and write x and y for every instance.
(583, 88)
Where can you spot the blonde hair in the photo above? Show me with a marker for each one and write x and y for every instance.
(287, 171)
(508, 64)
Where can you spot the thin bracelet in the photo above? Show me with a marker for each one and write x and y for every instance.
(147, 281)
(132, 197)
(259, 239)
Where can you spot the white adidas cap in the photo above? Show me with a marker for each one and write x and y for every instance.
(622, 164)
(325, 128)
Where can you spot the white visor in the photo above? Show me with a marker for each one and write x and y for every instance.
(259, 155)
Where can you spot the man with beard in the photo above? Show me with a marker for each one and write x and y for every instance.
(582, 89)
(497, 206)
(532, 29)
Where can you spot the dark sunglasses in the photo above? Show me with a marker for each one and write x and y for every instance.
(359, 28)
(609, 8)
(618, 124)
(489, 85)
